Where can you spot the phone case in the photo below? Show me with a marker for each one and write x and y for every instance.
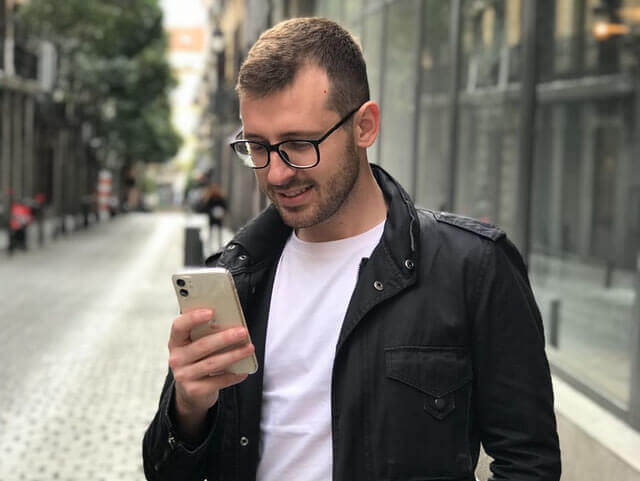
(213, 288)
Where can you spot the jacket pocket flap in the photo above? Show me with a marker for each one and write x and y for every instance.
(436, 371)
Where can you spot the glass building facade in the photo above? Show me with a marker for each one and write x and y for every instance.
(525, 114)
(488, 103)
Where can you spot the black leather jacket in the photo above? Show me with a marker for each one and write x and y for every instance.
(441, 349)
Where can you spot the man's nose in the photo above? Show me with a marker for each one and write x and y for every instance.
(280, 173)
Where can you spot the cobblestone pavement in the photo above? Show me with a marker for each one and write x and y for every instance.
(85, 324)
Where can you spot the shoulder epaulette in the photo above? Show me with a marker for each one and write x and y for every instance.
(480, 228)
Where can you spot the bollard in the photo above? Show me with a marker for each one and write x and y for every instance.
(193, 253)
(554, 322)
(608, 274)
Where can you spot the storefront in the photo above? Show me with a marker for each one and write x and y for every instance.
(524, 114)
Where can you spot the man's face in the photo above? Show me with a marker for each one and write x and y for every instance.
(309, 197)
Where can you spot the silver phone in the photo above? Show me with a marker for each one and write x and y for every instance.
(213, 288)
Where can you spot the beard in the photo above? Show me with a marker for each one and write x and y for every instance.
(330, 196)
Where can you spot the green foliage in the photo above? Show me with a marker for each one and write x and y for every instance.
(113, 70)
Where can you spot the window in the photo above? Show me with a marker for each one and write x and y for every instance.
(372, 45)
(398, 101)
(436, 62)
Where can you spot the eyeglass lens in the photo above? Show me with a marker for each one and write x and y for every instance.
(298, 153)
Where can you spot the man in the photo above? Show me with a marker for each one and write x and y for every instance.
(392, 341)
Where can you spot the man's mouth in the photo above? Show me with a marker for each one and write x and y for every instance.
(294, 193)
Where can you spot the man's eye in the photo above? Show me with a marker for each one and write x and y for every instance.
(297, 146)
(256, 148)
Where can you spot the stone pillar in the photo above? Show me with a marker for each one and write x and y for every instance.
(257, 20)
(531, 38)
(58, 180)
(623, 184)
(585, 193)
(17, 160)
(508, 173)
(73, 173)
(558, 122)
(29, 146)
(485, 165)
(5, 162)
(5, 143)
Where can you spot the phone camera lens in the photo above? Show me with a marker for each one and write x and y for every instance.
(184, 292)
(180, 282)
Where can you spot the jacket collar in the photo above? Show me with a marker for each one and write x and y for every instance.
(264, 236)
(401, 231)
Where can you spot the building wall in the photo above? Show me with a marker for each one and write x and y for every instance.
(584, 203)
(584, 178)
(45, 160)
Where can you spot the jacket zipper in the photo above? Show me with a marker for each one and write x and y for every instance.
(363, 261)
(171, 441)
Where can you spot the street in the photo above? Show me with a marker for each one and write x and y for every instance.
(85, 324)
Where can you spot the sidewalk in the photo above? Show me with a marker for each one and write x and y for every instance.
(47, 228)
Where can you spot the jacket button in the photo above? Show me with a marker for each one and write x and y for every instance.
(377, 285)
(440, 404)
(244, 441)
(409, 264)
(231, 247)
(242, 257)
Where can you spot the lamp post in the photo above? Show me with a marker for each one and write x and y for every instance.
(217, 40)
(218, 46)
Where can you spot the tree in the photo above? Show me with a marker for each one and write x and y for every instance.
(113, 71)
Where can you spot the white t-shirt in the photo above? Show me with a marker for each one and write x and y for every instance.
(311, 291)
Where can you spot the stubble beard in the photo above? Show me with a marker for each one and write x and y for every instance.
(332, 195)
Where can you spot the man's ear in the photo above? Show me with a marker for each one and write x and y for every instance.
(367, 124)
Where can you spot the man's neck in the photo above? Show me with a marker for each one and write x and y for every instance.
(364, 209)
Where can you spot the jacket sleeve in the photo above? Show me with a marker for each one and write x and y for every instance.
(513, 392)
(165, 457)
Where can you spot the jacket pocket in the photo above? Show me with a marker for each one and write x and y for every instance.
(435, 371)
(421, 419)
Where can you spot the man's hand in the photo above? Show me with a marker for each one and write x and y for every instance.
(199, 368)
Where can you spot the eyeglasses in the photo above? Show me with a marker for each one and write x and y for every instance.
(299, 153)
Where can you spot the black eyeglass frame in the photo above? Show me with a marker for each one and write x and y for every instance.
(276, 147)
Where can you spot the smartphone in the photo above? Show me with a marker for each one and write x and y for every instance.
(213, 288)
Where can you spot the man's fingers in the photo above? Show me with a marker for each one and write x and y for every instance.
(182, 325)
(225, 379)
(207, 345)
(213, 364)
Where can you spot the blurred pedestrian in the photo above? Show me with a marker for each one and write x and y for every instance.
(392, 340)
(214, 205)
(204, 196)
(21, 218)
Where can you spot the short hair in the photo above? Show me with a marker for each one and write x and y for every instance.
(279, 53)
